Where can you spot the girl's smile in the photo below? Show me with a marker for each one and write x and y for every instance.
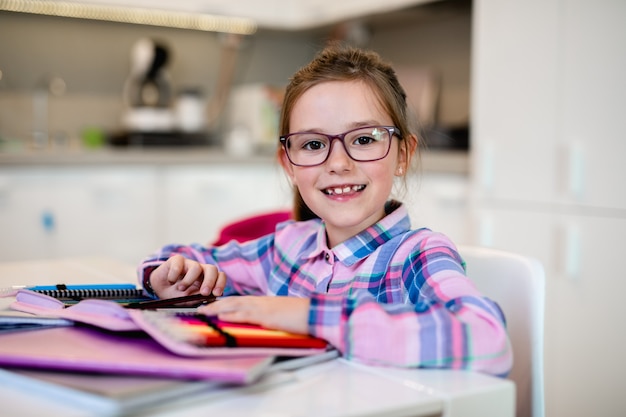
(343, 190)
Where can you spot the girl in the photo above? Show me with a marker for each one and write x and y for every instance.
(349, 269)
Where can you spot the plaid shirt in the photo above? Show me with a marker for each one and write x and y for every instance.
(389, 295)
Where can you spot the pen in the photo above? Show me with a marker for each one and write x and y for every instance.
(172, 302)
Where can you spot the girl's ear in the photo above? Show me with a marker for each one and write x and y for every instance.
(405, 154)
(286, 164)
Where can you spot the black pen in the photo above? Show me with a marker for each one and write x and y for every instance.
(171, 302)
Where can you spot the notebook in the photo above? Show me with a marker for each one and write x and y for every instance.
(105, 314)
(88, 349)
(193, 334)
(14, 323)
(115, 395)
(71, 294)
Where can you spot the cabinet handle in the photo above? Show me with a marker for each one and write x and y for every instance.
(485, 230)
(575, 170)
(568, 248)
(48, 221)
(486, 166)
(5, 189)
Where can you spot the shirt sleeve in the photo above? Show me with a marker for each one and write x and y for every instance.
(249, 263)
(443, 323)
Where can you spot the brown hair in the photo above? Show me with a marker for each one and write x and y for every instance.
(338, 62)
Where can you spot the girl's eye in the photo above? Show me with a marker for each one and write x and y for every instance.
(313, 145)
(363, 140)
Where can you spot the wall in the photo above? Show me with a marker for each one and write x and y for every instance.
(441, 43)
(93, 59)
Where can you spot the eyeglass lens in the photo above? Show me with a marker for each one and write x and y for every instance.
(363, 144)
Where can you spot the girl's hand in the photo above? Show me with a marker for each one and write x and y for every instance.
(289, 314)
(180, 276)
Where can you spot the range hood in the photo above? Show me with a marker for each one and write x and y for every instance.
(266, 14)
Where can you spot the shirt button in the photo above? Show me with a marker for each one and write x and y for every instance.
(327, 257)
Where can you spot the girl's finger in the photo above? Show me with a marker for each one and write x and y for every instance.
(220, 284)
(176, 265)
(220, 306)
(210, 276)
(193, 273)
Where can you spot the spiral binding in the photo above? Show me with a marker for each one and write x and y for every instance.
(94, 293)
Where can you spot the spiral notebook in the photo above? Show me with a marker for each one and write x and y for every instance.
(70, 295)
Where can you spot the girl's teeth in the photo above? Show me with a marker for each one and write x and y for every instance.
(346, 189)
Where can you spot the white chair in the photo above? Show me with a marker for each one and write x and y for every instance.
(517, 284)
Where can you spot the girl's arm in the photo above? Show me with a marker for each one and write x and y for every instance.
(445, 323)
(188, 269)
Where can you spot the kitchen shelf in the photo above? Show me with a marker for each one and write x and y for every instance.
(441, 161)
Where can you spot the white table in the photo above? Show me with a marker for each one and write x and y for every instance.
(335, 388)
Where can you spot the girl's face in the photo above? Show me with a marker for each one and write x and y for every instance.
(335, 107)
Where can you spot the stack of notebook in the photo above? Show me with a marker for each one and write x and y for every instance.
(93, 343)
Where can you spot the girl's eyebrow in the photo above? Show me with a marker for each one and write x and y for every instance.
(365, 123)
(351, 126)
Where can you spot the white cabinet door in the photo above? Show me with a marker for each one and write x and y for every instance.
(562, 199)
(548, 92)
(593, 93)
(514, 99)
(586, 365)
(122, 204)
(199, 200)
(59, 211)
(440, 203)
(584, 336)
(31, 211)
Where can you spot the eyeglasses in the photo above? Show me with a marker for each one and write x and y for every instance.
(363, 144)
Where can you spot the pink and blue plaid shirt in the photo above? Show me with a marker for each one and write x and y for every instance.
(389, 295)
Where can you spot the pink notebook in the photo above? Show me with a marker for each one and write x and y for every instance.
(105, 314)
(95, 350)
(185, 334)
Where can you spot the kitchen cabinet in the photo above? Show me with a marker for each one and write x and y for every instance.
(547, 104)
(127, 212)
(583, 335)
(48, 212)
(203, 199)
(200, 200)
(439, 201)
(513, 101)
(591, 102)
(547, 101)
(127, 205)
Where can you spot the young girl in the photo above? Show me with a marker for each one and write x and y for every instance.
(350, 269)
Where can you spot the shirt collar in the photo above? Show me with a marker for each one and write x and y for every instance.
(395, 223)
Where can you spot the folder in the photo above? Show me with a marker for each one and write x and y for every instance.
(88, 349)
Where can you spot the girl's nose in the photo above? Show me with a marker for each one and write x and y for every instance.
(338, 158)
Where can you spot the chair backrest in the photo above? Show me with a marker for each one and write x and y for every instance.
(251, 227)
(517, 284)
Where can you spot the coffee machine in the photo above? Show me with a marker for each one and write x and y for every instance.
(147, 90)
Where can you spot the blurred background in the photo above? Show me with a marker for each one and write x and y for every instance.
(128, 124)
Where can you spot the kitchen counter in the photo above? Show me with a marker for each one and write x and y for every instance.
(431, 161)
